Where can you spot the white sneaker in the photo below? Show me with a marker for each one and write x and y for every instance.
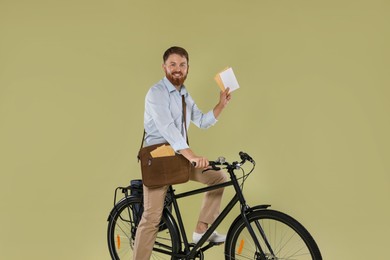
(215, 237)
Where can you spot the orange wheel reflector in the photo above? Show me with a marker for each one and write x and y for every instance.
(118, 241)
(239, 251)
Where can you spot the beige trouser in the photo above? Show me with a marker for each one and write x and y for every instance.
(154, 204)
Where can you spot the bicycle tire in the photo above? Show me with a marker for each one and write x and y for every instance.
(286, 236)
(122, 227)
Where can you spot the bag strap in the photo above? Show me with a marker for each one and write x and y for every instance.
(184, 121)
(183, 102)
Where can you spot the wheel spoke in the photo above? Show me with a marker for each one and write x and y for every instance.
(122, 228)
(287, 239)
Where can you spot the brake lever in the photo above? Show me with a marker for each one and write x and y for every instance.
(213, 167)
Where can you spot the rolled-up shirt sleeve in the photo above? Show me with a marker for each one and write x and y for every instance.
(198, 118)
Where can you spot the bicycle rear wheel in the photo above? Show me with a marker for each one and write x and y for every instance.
(122, 227)
(286, 237)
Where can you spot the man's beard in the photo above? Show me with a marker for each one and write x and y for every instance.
(174, 80)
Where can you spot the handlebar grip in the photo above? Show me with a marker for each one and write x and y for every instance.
(244, 156)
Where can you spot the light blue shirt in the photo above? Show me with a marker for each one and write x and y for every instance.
(163, 115)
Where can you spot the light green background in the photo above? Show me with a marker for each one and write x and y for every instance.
(313, 110)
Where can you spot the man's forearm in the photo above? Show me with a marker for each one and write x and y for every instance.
(218, 109)
(187, 153)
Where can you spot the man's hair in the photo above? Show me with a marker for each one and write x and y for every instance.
(175, 50)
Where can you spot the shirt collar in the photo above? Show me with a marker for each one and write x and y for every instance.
(172, 88)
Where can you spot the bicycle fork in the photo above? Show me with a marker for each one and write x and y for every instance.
(245, 209)
(261, 255)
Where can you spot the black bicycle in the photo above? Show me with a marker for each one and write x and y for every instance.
(257, 233)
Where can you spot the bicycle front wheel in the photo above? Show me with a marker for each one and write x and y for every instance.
(122, 227)
(280, 237)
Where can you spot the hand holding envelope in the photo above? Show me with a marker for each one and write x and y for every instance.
(227, 79)
(163, 151)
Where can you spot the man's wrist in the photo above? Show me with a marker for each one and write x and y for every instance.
(187, 153)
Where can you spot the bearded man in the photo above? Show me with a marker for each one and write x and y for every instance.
(163, 123)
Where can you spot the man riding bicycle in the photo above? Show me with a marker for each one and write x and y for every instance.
(163, 122)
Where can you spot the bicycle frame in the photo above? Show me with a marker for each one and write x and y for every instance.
(256, 227)
(238, 197)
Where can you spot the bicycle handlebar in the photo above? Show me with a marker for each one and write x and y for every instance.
(246, 157)
(234, 165)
